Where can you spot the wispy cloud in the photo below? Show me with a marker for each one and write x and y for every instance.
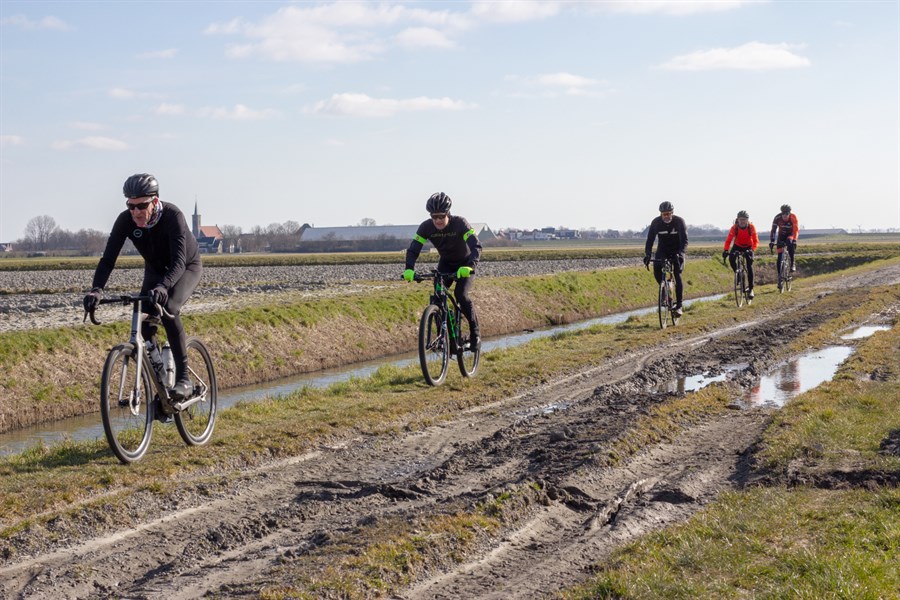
(11, 140)
(361, 105)
(169, 110)
(423, 37)
(238, 113)
(753, 56)
(514, 11)
(554, 84)
(668, 7)
(340, 32)
(167, 53)
(23, 22)
(92, 142)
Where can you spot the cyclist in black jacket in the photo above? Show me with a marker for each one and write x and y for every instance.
(458, 248)
(673, 242)
(172, 267)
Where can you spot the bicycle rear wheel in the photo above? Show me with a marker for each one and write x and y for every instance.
(466, 356)
(434, 346)
(664, 302)
(671, 294)
(196, 422)
(788, 276)
(125, 403)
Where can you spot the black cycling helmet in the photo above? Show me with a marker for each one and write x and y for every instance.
(786, 208)
(744, 214)
(438, 203)
(140, 185)
(666, 207)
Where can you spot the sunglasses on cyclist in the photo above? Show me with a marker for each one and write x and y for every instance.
(439, 216)
(666, 214)
(139, 205)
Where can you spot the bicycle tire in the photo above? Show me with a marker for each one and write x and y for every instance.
(467, 357)
(664, 303)
(738, 288)
(671, 294)
(127, 417)
(434, 346)
(196, 422)
(782, 273)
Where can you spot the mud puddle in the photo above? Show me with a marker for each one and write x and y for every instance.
(693, 383)
(864, 332)
(89, 427)
(797, 376)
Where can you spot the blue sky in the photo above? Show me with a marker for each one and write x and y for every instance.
(528, 114)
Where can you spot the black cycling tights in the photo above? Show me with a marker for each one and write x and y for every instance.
(178, 295)
(679, 267)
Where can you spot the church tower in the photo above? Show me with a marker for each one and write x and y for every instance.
(195, 222)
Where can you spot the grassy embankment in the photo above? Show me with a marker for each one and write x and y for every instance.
(38, 368)
(71, 483)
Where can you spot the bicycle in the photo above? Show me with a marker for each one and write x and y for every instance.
(741, 287)
(666, 302)
(783, 267)
(135, 387)
(444, 331)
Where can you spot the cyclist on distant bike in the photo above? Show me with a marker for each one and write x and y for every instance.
(743, 232)
(459, 252)
(786, 228)
(673, 242)
(172, 267)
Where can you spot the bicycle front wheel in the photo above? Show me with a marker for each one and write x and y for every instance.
(788, 276)
(196, 422)
(663, 304)
(466, 356)
(671, 294)
(738, 288)
(125, 406)
(783, 271)
(434, 346)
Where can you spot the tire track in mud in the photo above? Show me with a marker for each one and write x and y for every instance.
(234, 543)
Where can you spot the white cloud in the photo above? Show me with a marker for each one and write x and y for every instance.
(668, 7)
(341, 32)
(23, 22)
(126, 94)
(423, 37)
(754, 56)
(361, 105)
(514, 11)
(553, 84)
(169, 110)
(238, 113)
(93, 142)
(167, 53)
(11, 140)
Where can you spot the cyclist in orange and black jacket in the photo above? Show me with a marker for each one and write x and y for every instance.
(673, 242)
(459, 251)
(786, 228)
(743, 232)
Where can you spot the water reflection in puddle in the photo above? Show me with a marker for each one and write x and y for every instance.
(796, 376)
(864, 332)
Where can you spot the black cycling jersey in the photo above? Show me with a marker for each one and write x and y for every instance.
(168, 247)
(456, 243)
(672, 237)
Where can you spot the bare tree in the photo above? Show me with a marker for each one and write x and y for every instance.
(367, 222)
(39, 230)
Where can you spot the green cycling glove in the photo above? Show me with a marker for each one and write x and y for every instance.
(409, 274)
(464, 272)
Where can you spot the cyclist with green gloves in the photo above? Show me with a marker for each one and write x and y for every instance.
(459, 251)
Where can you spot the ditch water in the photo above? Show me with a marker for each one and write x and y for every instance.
(88, 427)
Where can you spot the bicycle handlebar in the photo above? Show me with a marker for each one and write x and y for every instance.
(126, 299)
(449, 277)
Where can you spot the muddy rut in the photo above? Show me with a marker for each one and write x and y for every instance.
(230, 540)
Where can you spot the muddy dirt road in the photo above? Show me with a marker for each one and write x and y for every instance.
(234, 538)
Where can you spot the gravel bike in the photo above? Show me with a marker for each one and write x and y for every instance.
(135, 388)
(666, 300)
(783, 266)
(444, 331)
(741, 286)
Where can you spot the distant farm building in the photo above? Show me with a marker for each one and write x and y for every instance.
(821, 232)
(373, 238)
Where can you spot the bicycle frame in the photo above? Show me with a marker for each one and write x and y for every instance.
(444, 301)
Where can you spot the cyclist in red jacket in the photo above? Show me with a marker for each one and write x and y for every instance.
(743, 232)
(787, 229)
